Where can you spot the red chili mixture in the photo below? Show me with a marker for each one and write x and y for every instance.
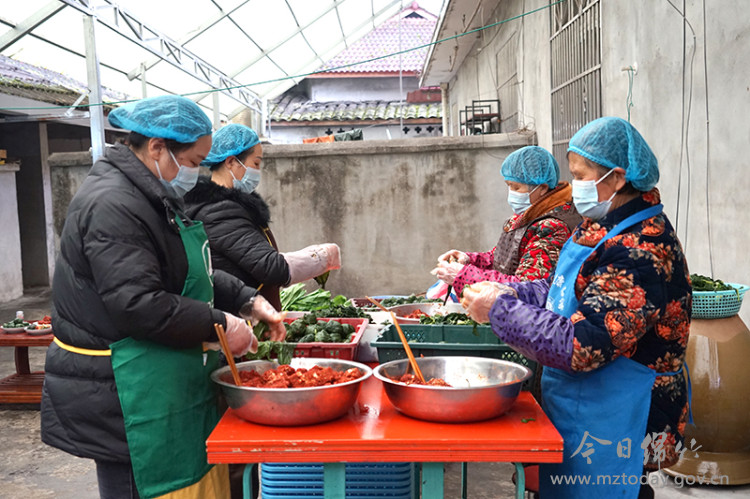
(289, 377)
(411, 379)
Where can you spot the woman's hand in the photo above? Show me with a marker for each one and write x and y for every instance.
(262, 311)
(478, 298)
(454, 256)
(240, 336)
(447, 272)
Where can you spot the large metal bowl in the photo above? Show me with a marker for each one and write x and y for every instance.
(291, 406)
(480, 388)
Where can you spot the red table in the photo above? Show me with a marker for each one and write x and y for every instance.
(23, 387)
(373, 431)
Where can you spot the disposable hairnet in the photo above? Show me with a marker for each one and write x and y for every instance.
(613, 142)
(531, 165)
(230, 140)
(164, 117)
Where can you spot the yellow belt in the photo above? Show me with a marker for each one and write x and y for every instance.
(82, 351)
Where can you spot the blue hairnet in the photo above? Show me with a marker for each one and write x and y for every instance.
(164, 117)
(613, 142)
(531, 165)
(230, 140)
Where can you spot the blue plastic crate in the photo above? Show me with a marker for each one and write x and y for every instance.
(363, 480)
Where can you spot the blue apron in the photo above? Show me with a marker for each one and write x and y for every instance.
(602, 414)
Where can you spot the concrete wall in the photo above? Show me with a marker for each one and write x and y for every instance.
(703, 182)
(651, 35)
(68, 170)
(392, 206)
(11, 276)
(27, 142)
(509, 62)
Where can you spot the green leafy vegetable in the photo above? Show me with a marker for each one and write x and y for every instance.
(392, 302)
(453, 319)
(703, 283)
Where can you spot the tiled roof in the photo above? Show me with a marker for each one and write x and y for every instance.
(297, 108)
(414, 29)
(32, 82)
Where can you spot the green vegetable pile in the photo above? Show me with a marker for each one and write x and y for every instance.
(15, 323)
(309, 329)
(703, 283)
(294, 298)
(392, 302)
(454, 319)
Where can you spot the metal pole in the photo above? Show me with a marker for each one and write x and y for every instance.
(217, 115)
(96, 110)
(144, 89)
(445, 105)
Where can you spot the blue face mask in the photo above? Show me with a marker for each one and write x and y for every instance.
(586, 198)
(181, 184)
(520, 201)
(249, 180)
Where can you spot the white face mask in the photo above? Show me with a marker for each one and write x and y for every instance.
(185, 179)
(249, 180)
(520, 201)
(586, 198)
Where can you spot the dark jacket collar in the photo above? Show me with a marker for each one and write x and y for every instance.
(121, 157)
(207, 193)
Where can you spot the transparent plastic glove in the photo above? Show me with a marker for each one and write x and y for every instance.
(454, 256)
(312, 261)
(263, 311)
(478, 298)
(447, 272)
(240, 336)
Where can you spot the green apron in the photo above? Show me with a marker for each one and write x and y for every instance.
(168, 400)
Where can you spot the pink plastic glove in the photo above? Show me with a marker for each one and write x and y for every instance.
(312, 261)
(454, 256)
(240, 336)
(479, 297)
(447, 272)
(263, 311)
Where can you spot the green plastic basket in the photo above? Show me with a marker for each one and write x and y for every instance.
(718, 304)
(449, 341)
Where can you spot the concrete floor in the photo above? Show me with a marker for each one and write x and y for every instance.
(31, 469)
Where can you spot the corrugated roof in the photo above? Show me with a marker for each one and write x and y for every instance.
(297, 108)
(411, 28)
(32, 82)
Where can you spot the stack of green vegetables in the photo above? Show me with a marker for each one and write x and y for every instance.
(393, 301)
(703, 283)
(308, 329)
(453, 319)
(295, 298)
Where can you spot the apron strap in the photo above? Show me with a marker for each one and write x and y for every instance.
(684, 367)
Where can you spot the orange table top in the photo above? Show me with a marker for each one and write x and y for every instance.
(373, 431)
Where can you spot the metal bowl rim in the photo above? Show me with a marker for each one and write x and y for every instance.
(377, 372)
(218, 372)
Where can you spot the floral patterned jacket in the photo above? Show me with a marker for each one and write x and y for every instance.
(634, 299)
(540, 247)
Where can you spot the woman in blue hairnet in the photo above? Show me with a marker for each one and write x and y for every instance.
(544, 218)
(237, 219)
(611, 325)
(134, 299)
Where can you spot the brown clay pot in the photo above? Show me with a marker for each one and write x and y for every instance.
(718, 356)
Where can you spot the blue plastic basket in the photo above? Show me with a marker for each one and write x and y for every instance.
(718, 304)
(363, 480)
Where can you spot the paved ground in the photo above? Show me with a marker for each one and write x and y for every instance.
(30, 469)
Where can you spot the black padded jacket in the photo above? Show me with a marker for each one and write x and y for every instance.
(120, 272)
(237, 228)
